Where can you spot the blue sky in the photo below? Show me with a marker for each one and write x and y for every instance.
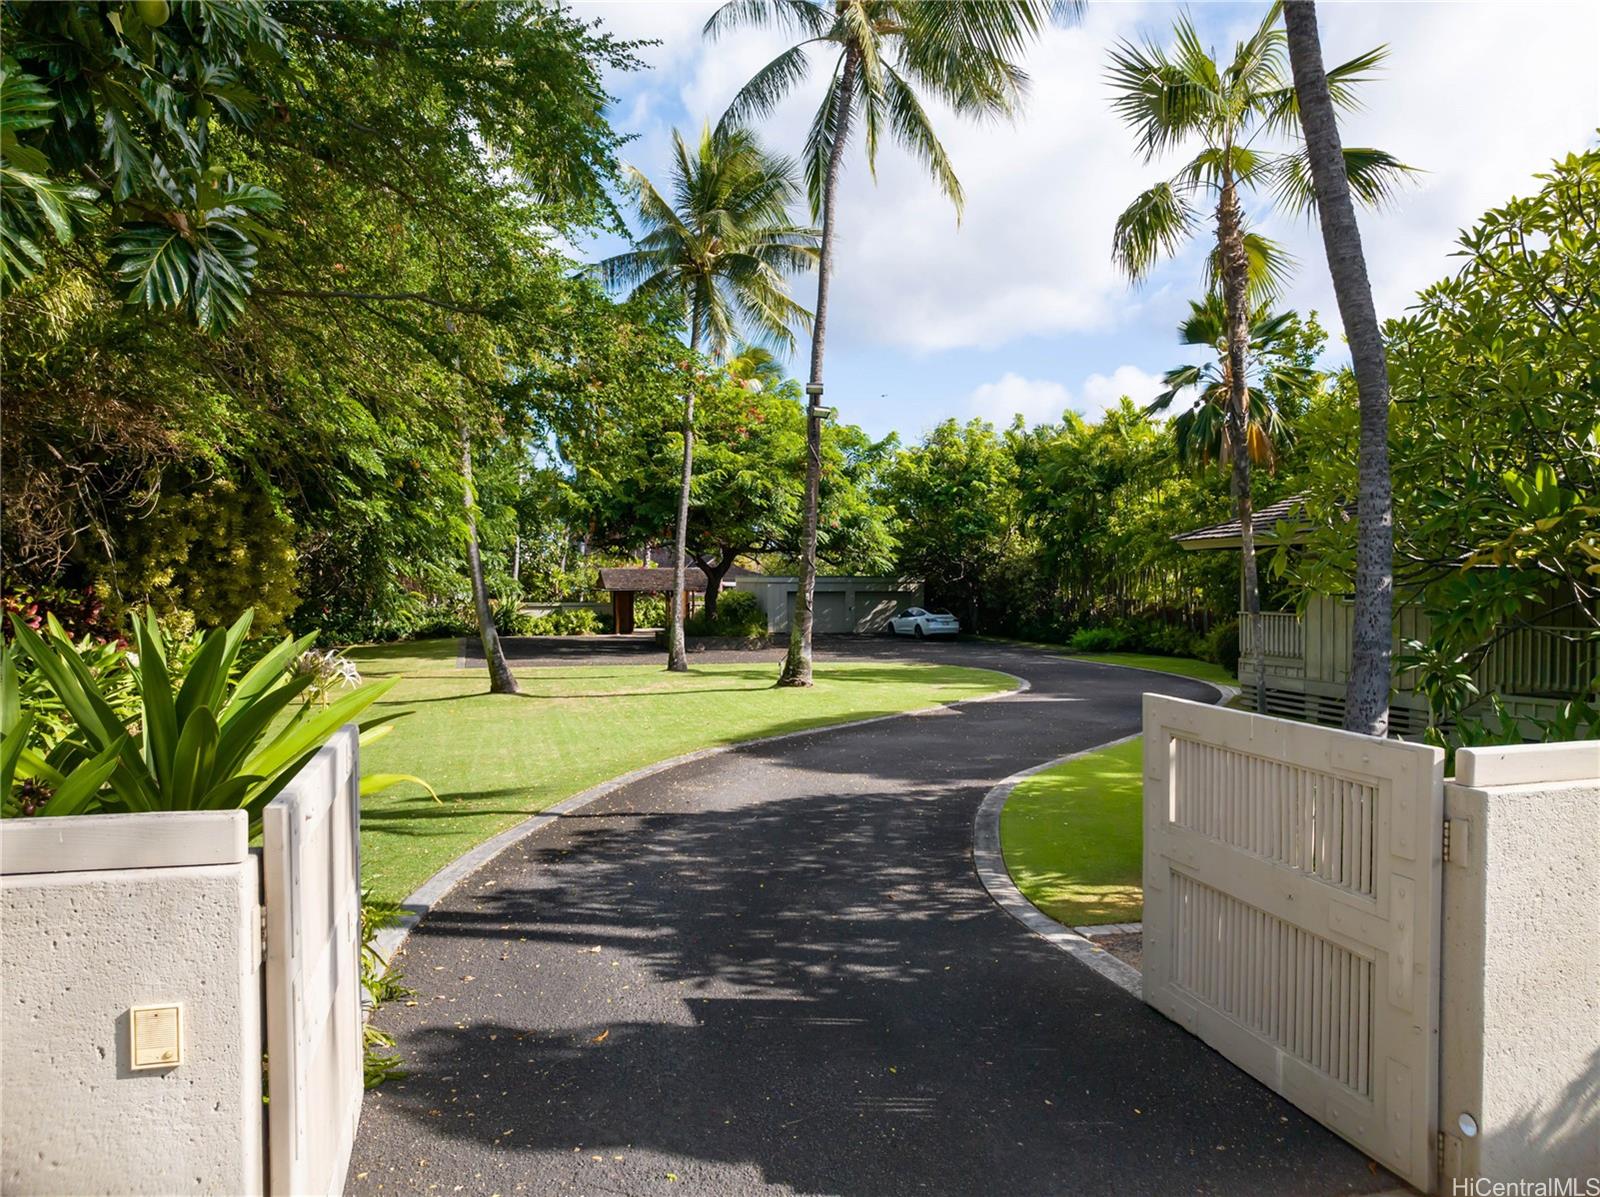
(1019, 309)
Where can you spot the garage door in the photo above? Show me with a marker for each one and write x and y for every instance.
(874, 608)
(829, 614)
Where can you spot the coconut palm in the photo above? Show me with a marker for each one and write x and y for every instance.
(1202, 430)
(1173, 97)
(755, 368)
(1366, 700)
(723, 247)
(882, 54)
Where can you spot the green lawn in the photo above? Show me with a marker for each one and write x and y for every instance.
(1072, 841)
(1182, 666)
(497, 758)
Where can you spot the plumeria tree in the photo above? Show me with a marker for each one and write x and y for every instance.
(884, 56)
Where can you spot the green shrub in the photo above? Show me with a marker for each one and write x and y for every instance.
(650, 611)
(514, 621)
(1100, 640)
(1222, 646)
(739, 614)
(572, 621)
(206, 555)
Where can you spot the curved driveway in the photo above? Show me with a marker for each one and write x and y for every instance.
(775, 971)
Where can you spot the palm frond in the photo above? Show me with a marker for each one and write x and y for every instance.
(1150, 228)
(1375, 178)
(1162, 101)
(767, 88)
(801, 16)
(1283, 104)
(914, 131)
(1268, 264)
(819, 140)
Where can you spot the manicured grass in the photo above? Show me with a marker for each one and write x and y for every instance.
(1072, 839)
(1182, 666)
(497, 758)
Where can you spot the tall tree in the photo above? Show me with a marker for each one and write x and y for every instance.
(1366, 696)
(1171, 97)
(884, 53)
(723, 246)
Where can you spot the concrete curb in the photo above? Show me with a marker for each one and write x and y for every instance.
(416, 906)
(990, 863)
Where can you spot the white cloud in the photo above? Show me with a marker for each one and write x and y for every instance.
(1037, 401)
(1100, 391)
(1040, 401)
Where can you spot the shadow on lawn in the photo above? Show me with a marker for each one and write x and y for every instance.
(779, 960)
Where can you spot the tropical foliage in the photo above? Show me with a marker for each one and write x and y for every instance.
(1495, 438)
(221, 737)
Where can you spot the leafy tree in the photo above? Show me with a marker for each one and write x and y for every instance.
(884, 53)
(955, 497)
(1495, 436)
(747, 495)
(1278, 379)
(1366, 705)
(123, 108)
(723, 249)
(415, 185)
(1171, 97)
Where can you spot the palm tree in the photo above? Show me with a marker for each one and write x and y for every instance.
(755, 368)
(1366, 697)
(723, 247)
(1172, 97)
(883, 53)
(1202, 430)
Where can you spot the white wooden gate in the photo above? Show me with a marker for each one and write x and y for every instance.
(1291, 914)
(311, 860)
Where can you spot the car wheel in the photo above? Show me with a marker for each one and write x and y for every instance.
(918, 632)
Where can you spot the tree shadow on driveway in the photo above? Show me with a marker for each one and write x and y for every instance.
(775, 969)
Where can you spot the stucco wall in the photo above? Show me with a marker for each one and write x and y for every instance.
(79, 949)
(1521, 974)
(867, 602)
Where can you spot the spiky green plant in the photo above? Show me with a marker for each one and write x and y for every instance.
(216, 741)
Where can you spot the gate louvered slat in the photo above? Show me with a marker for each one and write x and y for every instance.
(1291, 913)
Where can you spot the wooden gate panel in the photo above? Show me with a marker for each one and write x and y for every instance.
(1291, 913)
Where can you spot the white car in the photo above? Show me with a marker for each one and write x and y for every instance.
(914, 621)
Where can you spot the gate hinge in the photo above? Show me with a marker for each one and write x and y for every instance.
(1439, 1162)
(1445, 841)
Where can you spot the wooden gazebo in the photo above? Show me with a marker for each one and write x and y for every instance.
(625, 582)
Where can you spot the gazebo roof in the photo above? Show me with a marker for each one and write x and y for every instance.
(1263, 522)
(650, 581)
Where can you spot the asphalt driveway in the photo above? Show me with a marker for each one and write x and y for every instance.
(775, 971)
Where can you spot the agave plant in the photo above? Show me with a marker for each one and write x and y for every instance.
(214, 742)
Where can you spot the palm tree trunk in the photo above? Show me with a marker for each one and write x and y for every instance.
(677, 658)
(797, 664)
(1235, 274)
(501, 679)
(1366, 696)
